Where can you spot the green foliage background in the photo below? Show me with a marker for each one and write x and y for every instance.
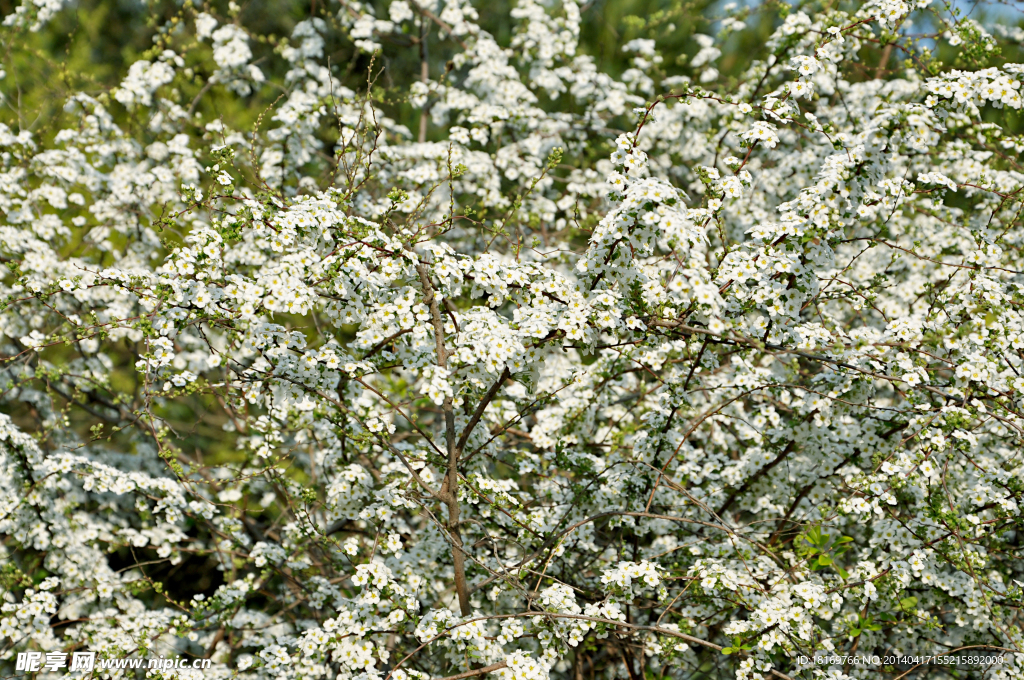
(91, 44)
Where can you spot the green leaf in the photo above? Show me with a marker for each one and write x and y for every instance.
(728, 650)
(854, 632)
(908, 603)
(824, 560)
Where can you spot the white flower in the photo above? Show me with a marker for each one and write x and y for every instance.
(399, 11)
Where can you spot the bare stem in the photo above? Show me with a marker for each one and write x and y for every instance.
(449, 493)
(424, 76)
(479, 671)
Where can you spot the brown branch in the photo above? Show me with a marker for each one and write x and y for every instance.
(479, 671)
(880, 71)
(480, 409)
(385, 342)
(449, 493)
(753, 478)
(440, 22)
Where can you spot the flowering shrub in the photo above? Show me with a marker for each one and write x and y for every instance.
(705, 366)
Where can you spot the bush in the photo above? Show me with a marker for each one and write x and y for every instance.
(633, 340)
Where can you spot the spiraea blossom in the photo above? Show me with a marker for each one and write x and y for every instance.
(418, 344)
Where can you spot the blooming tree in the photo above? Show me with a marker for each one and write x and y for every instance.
(665, 372)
